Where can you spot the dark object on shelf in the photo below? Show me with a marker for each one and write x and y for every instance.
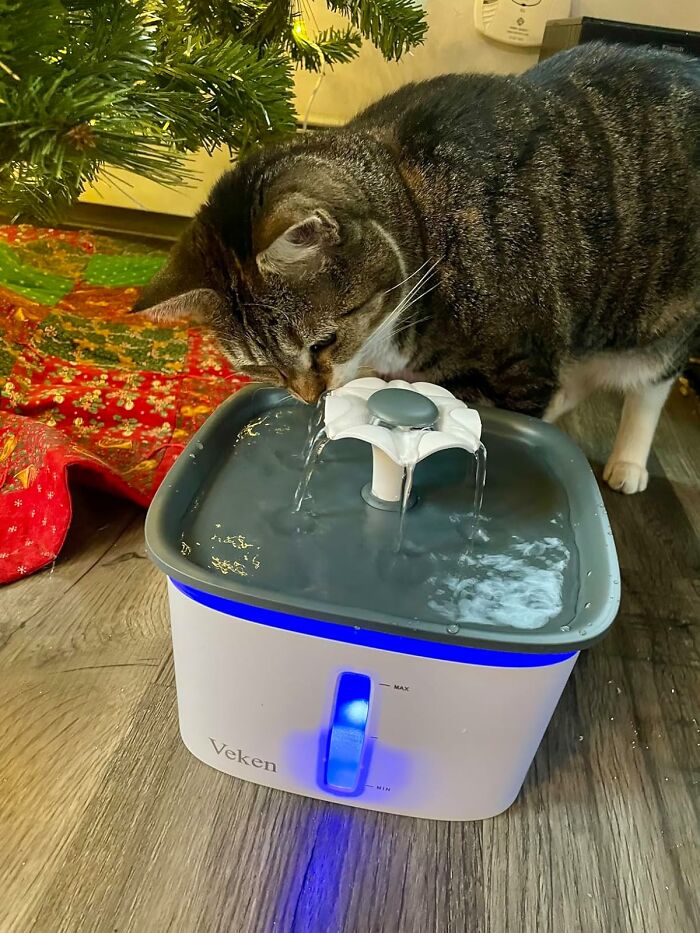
(563, 34)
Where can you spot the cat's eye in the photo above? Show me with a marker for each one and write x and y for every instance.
(323, 344)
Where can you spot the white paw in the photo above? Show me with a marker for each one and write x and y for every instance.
(625, 477)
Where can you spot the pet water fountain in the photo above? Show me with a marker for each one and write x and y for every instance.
(348, 622)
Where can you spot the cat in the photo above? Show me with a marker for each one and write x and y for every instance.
(520, 240)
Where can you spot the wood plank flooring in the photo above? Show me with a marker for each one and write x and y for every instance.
(108, 824)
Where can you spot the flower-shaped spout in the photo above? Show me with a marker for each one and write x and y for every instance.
(404, 422)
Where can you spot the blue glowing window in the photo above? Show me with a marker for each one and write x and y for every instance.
(346, 738)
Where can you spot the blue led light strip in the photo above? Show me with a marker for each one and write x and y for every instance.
(368, 638)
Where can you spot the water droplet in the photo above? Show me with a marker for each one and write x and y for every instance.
(587, 606)
(590, 573)
(452, 629)
(565, 628)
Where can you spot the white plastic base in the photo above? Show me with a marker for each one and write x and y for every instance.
(445, 740)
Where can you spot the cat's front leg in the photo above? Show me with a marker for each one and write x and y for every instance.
(626, 470)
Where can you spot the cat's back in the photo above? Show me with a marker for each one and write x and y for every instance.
(641, 89)
(425, 112)
(489, 112)
(615, 68)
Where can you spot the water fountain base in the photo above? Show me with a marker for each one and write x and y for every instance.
(384, 504)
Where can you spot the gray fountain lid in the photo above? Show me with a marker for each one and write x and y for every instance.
(403, 408)
(544, 579)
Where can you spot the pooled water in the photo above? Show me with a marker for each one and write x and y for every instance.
(524, 582)
(519, 572)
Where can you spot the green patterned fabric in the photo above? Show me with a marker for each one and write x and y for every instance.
(30, 282)
(110, 344)
(118, 271)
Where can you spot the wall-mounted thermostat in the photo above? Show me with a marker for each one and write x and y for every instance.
(518, 22)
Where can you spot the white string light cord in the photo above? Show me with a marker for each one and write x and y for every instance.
(300, 26)
(312, 97)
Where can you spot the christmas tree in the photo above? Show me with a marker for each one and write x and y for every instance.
(87, 85)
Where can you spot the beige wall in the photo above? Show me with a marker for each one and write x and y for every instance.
(453, 44)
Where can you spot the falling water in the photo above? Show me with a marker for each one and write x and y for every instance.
(479, 483)
(317, 447)
(406, 490)
(316, 425)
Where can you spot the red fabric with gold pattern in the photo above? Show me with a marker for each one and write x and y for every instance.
(87, 391)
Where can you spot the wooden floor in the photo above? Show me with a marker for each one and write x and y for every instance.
(108, 824)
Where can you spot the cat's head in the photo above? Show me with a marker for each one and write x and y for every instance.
(292, 268)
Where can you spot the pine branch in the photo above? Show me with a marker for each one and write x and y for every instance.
(394, 26)
(221, 17)
(19, 37)
(221, 91)
(329, 47)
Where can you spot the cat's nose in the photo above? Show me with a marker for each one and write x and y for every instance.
(306, 386)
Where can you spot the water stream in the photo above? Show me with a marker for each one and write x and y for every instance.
(406, 491)
(316, 425)
(479, 485)
(318, 444)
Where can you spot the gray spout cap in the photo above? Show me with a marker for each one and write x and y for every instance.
(403, 408)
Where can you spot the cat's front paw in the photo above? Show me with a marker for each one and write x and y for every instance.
(625, 477)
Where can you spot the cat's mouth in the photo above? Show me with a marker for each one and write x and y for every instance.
(306, 387)
(310, 385)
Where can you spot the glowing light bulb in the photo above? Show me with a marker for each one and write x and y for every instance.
(298, 24)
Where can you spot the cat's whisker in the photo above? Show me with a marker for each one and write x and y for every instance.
(415, 300)
(408, 277)
(386, 326)
(263, 304)
(424, 278)
(413, 323)
(386, 329)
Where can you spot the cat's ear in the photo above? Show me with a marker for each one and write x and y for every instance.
(302, 249)
(191, 284)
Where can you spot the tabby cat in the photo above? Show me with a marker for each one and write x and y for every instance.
(520, 240)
